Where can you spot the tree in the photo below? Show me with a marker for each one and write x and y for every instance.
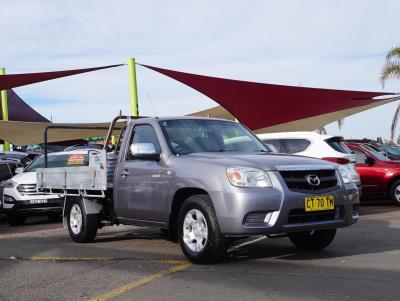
(391, 70)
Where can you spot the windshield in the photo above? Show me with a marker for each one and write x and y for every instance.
(186, 136)
(377, 155)
(65, 160)
(394, 150)
(374, 149)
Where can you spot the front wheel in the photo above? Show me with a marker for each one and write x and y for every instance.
(395, 193)
(312, 240)
(198, 231)
(82, 227)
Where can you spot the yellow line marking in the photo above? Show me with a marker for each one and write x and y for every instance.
(52, 258)
(124, 288)
(44, 258)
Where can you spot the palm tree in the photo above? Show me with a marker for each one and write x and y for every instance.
(390, 70)
(321, 130)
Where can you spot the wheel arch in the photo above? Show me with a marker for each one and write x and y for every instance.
(179, 197)
(391, 182)
(90, 205)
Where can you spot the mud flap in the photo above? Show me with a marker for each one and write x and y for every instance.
(91, 206)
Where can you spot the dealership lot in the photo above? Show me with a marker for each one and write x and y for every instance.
(38, 261)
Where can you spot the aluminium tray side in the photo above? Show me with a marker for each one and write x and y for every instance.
(91, 177)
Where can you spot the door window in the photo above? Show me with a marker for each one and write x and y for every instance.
(275, 143)
(13, 167)
(360, 156)
(4, 172)
(145, 134)
(296, 145)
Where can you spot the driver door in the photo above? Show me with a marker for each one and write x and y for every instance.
(142, 184)
(371, 175)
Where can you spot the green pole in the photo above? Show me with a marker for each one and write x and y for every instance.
(4, 108)
(133, 87)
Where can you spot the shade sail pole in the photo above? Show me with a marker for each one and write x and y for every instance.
(4, 108)
(133, 87)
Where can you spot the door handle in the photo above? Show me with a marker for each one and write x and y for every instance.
(125, 173)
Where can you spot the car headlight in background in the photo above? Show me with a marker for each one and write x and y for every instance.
(248, 177)
(344, 172)
(9, 184)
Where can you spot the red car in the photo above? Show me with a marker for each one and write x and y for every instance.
(380, 176)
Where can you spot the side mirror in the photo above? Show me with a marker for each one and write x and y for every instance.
(19, 170)
(144, 151)
(369, 160)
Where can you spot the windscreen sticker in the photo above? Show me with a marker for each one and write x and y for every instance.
(76, 159)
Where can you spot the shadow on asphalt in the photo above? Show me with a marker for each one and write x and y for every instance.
(367, 236)
(284, 271)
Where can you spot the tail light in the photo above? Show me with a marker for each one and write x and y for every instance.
(337, 160)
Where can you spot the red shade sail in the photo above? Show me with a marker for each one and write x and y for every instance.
(16, 80)
(19, 110)
(261, 106)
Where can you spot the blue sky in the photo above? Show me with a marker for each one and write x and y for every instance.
(329, 44)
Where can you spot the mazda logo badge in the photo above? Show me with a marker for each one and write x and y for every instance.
(313, 180)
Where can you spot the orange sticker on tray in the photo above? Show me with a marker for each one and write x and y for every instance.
(76, 159)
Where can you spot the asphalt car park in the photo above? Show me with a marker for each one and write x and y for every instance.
(40, 262)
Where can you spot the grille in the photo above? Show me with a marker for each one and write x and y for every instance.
(27, 188)
(255, 217)
(296, 179)
(297, 216)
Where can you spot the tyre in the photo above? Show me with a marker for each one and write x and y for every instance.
(15, 220)
(198, 231)
(312, 240)
(395, 193)
(82, 227)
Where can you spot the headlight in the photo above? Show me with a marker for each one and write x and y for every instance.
(10, 184)
(248, 177)
(344, 172)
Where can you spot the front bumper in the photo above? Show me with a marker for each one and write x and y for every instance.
(34, 206)
(258, 211)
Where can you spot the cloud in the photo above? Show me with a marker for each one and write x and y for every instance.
(332, 44)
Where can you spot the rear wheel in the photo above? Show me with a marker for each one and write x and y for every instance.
(198, 231)
(312, 240)
(15, 220)
(395, 193)
(82, 227)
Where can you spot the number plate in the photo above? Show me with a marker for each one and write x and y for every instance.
(38, 202)
(319, 203)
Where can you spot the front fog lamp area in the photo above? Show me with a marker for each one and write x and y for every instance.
(344, 172)
(8, 200)
(248, 177)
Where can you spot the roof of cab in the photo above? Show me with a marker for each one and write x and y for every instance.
(181, 117)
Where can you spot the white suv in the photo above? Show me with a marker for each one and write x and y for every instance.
(20, 196)
(311, 144)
